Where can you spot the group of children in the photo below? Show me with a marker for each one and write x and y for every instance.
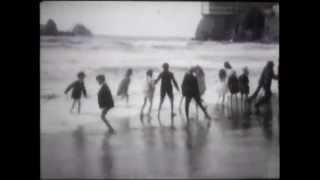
(193, 87)
(231, 83)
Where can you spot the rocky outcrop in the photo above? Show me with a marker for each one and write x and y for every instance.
(50, 29)
(81, 30)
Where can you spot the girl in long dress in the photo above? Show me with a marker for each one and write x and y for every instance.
(124, 86)
(148, 94)
(223, 78)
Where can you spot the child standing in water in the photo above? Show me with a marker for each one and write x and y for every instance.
(77, 89)
(200, 75)
(190, 90)
(105, 100)
(223, 77)
(124, 86)
(244, 84)
(166, 88)
(148, 94)
(233, 85)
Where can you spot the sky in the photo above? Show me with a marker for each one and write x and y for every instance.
(163, 19)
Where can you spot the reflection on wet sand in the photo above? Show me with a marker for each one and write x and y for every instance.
(107, 157)
(196, 140)
(80, 146)
(217, 148)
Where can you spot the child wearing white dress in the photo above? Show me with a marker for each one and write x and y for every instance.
(223, 78)
(148, 92)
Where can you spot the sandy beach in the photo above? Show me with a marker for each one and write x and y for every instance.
(232, 145)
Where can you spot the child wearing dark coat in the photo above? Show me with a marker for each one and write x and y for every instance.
(105, 100)
(233, 85)
(190, 90)
(78, 88)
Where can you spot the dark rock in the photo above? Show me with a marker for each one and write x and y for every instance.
(81, 30)
(49, 29)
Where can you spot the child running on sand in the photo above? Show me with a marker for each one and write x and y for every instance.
(105, 100)
(166, 88)
(148, 94)
(265, 82)
(124, 85)
(77, 89)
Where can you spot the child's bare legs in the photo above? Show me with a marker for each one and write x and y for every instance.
(172, 113)
(73, 104)
(103, 117)
(223, 96)
(149, 110)
(159, 109)
(199, 104)
(150, 105)
(181, 101)
(144, 104)
(197, 111)
(127, 98)
(142, 108)
(241, 98)
(187, 103)
(79, 106)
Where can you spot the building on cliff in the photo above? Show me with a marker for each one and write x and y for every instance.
(239, 21)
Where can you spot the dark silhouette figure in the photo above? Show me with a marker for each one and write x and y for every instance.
(265, 82)
(78, 88)
(233, 84)
(191, 91)
(167, 78)
(105, 100)
(244, 84)
(124, 86)
(200, 75)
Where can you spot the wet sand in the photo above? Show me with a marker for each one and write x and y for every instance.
(77, 146)
(232, 145)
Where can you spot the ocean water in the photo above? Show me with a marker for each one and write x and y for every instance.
(61, 58)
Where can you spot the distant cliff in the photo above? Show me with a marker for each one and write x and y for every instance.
(50, 29)
(249, 22)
